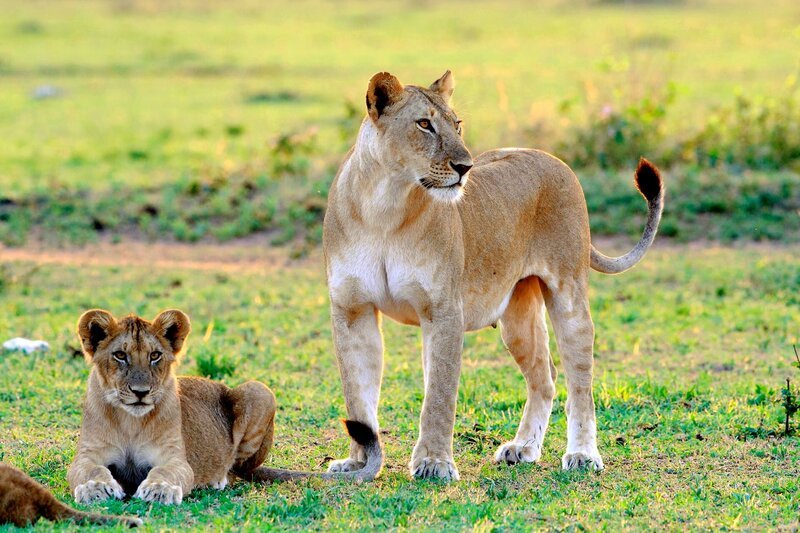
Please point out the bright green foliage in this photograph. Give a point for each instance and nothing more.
(189, 122)
(691, 348)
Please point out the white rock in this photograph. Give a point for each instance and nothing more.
(25, 345)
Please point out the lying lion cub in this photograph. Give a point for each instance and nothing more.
(155, 436)
(23, 502)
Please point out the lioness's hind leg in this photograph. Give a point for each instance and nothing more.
(253, 425)
(568, 307)
(524, 332)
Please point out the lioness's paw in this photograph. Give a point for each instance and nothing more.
(93, 491)
(345, 465)
(576, 460)
(515, 452)
(159, 491)
(431, 467)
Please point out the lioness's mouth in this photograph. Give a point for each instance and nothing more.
(430, 185)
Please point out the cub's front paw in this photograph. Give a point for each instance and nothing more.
(576, 460)
(221, 484)
(434, 467)
(345, 465)
(93, 491)
(159, 491)
(517, 452)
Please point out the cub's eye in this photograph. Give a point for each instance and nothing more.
(458, 127)
(155, 356)
(120, 356)
(425, 124)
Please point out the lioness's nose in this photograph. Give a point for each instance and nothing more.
(139, 390)
(461, 169)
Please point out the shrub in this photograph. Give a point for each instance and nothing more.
(761, 132)
(618, 133)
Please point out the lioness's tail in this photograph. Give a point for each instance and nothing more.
(648, 181)
(361, 433)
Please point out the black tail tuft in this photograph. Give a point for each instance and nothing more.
(361, 433)
(648, 180)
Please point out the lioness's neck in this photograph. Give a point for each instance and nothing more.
(379, 192)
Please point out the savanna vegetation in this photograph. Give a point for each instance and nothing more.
(139, 135)
(208, 120)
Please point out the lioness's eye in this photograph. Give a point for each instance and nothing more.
(426, 125)
(120, 356)
(155, 356)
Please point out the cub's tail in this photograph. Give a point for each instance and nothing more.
(67, 513)
(359, 432)
(648, 181)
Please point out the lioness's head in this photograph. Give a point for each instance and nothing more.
(417, 135)
(134, 358)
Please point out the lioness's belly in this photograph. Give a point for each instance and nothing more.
(478, 313)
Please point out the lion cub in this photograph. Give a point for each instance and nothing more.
(150, 434)
(23, 501)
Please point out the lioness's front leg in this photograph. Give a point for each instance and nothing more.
(442, 339)
(359, 353)
(171, 478)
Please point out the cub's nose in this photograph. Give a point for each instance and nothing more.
(139, 390)
(461, 169)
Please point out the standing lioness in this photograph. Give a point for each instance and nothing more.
(407, 235)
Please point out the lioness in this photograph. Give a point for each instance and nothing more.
(408, 235)
(155, 436)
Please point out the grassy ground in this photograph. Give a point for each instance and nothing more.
(692, 347)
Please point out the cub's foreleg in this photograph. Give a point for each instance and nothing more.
(171, 476)
(89, 480)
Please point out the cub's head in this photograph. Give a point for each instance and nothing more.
(134, 358)
(417, 135)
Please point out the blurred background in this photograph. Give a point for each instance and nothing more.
(211, 120)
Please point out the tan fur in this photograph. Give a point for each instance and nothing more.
(23, 502)
(152, 435)
(409, 235)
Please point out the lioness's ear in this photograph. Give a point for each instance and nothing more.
(174, 326)
(94, 326)
(384, 90)
(444, 86)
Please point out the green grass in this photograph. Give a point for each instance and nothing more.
(692, 347)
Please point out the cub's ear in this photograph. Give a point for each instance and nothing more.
(384, 90)
(94, 326)
(444, 86)
(174, 326)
